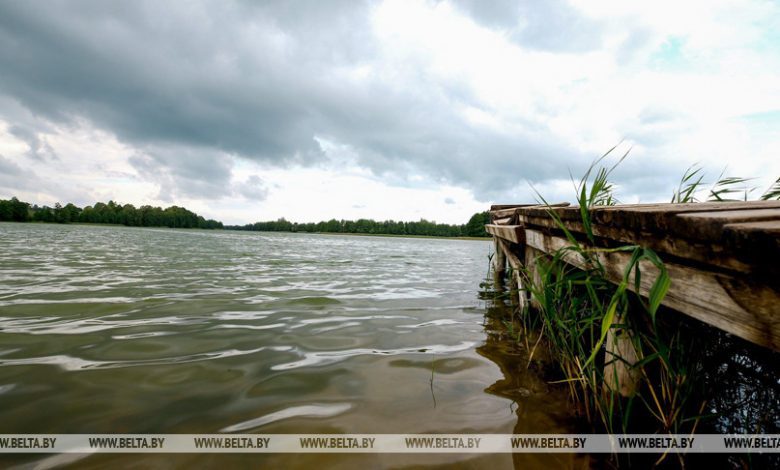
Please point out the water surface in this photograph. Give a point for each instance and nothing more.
(136, 330)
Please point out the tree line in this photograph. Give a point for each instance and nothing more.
(15, 210)
(474, 228)
(178, 217)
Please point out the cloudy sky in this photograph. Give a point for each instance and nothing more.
(246, 111)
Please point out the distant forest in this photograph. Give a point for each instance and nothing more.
(474, 228)
(109, 213)
(15, 210)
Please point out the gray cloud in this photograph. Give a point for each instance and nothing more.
(13, 178)
(9, 168)
(193, 86)
(185, 171)
(253, 189)
(547, 25)
(38, 149)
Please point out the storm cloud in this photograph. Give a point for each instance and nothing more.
(194, 88)
(191, 84)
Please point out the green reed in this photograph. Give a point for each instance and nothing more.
(574, 309)
(723, 190)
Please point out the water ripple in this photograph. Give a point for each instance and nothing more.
(320, 358)
(113, 328)
(304, 411)
(71, 363)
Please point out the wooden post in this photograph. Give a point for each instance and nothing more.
(531, 258)
(514, 297)
(515, 254)
(499, 265)
(522, 290)
(621, 355)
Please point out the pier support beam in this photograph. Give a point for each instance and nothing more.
(532, 256)
(522, 290)
(499, 265)
(621, 355)
(514, 288)
(515, 254)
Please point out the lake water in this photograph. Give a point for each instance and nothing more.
(130, 330)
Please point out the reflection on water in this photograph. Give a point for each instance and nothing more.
(540, 407)
(126, 330)
(305, 411)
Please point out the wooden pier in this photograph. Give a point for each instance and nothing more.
(723, 259)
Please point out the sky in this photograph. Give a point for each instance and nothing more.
(310, 110)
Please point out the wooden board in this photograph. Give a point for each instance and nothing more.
(517, 282)
(512, 211)
(762, 239)
(709, 225)
(697, 232)
(740, 306)
(768, 228)
(496, 207)
(511, 257)
(501, 213)
(712, 253)
(645, 215)
(512, 233)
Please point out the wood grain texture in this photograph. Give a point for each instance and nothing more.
(515, 257)
(502, 213)
(721, 253)
(498, 207)
(742, 237)
(734, 304)
(512, 233)
(532, 257)
(512, 211)
(759, 240)
(646, 211)
(513, 260)
(653, 217)
(499, 258)
(620, 356)
(723, 258)
(504, 221)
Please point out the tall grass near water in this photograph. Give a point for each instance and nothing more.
(576, 309)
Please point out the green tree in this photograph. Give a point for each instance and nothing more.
(475, 227)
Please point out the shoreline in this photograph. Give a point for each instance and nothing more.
(390, 235)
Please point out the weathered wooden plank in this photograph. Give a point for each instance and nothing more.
(504, 221)
(511, 257)
(733, 216)
(499, 259)
(736, 305)
(769, 228)
(709, 225)
(499, 264)
(719, 253)
(501, 213)
(497, 207)
(510, 212)
(762, 239)
(619, 375)
(517, 283)
(694, 206)
(532, 256)
(683, 232)
(513, 233)
(644, 216)
(675, 219)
